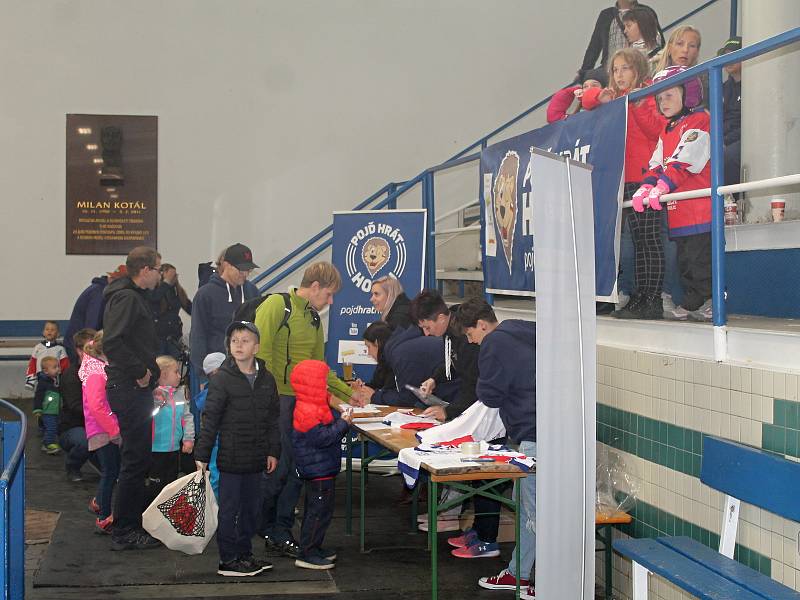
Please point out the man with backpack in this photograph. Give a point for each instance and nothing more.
(291, 332)
(215, 304)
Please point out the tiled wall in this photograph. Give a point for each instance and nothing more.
(652, 410)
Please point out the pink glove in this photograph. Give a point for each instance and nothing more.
(660, 188)
(639, 196)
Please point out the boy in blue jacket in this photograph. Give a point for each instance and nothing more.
(507, 381)
(316, 439)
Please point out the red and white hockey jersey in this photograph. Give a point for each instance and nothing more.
(682, 161)
(40, 350)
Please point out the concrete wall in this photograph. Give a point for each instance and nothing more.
(271, 114)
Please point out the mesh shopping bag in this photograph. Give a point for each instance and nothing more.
(184, 515)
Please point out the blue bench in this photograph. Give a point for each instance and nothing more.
(745, 474)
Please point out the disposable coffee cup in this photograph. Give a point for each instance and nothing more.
(778, 209)
(470, 448)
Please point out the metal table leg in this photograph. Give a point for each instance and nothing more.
(433, 506)
(609, 555)
(348, 503)
(517, 486)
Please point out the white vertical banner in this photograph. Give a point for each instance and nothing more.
(563, 227)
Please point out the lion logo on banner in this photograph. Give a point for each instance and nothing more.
(375, 254)
(505, 203)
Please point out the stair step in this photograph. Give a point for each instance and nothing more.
(460, 275)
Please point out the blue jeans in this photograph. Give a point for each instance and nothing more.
(672, 275)
(50, 423)
(527, 520)
(625, 281)
(282, 487)
(109, 458)
(239, 500)
(317, 514)
(76, 448)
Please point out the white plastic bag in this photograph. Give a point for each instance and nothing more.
(479, 421)
(184, 515)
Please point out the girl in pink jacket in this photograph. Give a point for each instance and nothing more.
(102, 430)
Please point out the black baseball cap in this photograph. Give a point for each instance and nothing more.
(734, 43)
(240, 256)
(242, 325)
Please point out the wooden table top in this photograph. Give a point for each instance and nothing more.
(395, 439)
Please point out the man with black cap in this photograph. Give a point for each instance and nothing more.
(732, 113)
(215, 303)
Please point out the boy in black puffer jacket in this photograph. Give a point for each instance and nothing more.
(242, 407)
(317, 443)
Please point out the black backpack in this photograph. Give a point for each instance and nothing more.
(247, 312)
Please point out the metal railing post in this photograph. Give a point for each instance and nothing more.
(430, 228)
(390, 190)
(12, 512)
(717, 209)
(734, 18)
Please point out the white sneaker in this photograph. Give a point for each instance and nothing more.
(677, 313)
(623, 301)
(667, 302)
(444, 522)
(703, 314)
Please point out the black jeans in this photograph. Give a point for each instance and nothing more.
(694, 263)
(134, 409)
(317, 514)
(282, 487)
(163, 470)
(239, 501)
(76, 448)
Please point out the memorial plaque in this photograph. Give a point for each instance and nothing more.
(112, 183)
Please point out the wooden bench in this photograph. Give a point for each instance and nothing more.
(745, 474)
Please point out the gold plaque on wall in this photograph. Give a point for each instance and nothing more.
(112, 183)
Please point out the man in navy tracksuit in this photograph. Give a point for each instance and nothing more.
(507, 381)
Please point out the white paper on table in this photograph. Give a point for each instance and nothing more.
(372, 426)
(369, 409)
(400, 418)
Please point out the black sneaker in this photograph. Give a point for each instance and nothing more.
(238, 568)
(318, 563)
(631, 309)
(138, 539)
(287, 547)
(330, 554)
(74, 476)
(264, 565)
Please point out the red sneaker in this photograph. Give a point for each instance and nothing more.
(94, 507)
(467, 538)
(477, 550)
(503, 581)
(527, 594)
(104, 526)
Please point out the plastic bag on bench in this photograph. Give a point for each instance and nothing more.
(616, 490)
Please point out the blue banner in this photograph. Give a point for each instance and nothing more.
(597, 138)
(368, 245)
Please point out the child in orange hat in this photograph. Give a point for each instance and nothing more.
(316, 440)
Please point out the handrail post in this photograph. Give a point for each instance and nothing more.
(717, 209)
(734, 18)
(430, 228)
(12, 526)
(391, 189)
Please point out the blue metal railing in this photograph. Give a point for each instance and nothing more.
(714, 68)
(12, 505)
(394, 190)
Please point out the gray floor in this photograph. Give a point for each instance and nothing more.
(77, 564)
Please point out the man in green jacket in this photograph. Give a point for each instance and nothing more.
(283, 346)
